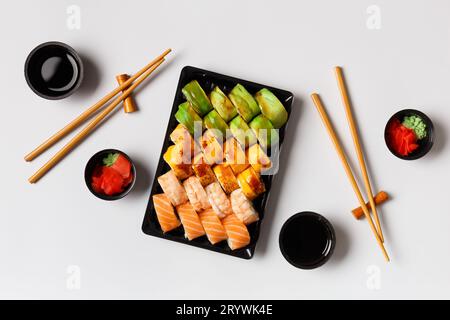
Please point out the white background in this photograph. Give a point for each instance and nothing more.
(48, 227)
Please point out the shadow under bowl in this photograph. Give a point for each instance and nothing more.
(97, 160)
(425, 144)
(307, 240)
(53, 70)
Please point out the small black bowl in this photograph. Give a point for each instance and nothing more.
(425, 144)
(54, 70)
(307, 240)
(96, 160)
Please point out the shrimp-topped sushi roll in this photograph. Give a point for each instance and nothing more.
(173, 188)
(181, 137)
(211, 147)
(196, 194)
(219, 200)
(235, 156)
(179, 162)
(242, 207)
(238, 236)
(226, 177)
(203, 170)
(212, 225)
(251, 184)
(165, 213)
(258, 158)
(192, 225)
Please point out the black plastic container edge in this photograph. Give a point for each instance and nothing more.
(332, 239)
(424, 146)
(97, 159)
(207, 80)
(72, 52)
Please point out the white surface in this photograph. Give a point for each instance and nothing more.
(47, 227)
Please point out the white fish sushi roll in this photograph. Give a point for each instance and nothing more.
(196, 194)
(243, 208)
(218, 200)
(173, 188)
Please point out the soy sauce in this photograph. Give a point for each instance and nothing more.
(307, 240)
(53, 70)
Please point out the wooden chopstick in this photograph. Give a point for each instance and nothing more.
(91, 110)
(317, 102)
(356, 142)
(89, 127)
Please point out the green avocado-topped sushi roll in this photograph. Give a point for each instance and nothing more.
(187, 116)
(194, 93)
(245, 104)
(242, 132)
(271, 108)
(222, 104)
(264, 131)
(214, 121)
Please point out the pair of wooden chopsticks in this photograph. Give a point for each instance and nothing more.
(357, 144)
(140, 76)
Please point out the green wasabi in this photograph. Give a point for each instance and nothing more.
(416, 123)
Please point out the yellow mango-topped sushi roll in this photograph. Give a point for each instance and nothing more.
(235, 156)
(181, 137)
(257, 158)
(178, 162)
(212, 149)
(251, 184)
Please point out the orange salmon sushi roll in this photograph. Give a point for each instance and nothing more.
(238, 236)
(193, 227)
(212, 225)
(165, 213)
(235, 156)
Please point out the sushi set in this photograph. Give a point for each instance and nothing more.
(219, 156)
(212, 184)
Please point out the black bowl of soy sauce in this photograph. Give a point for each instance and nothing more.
(307, 240)
(53, 70)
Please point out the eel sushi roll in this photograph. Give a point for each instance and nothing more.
(251, 184)
(235, 156)
(203, 170)
(219, 200)
(192, 225)
(165, 213)
(243, 208)
(181, 137)
(180, 163)
(226, 178)
(212, 225)
(196, 194)
(211, 147)
(238, 236)
(173, 188)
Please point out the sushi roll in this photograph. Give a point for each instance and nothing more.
(271, 107)
(264, 131)
(212, 149)
(238, 236)
(187, 116)
(214, 122)
(242, 132)
(180, 163)
(258, 159)
(226, 178)
(203, 170)
(235, 156)
(192, 225)
(182, 138)
(194, 93)
(196, 194)
(251, 184)
(219, 200)
(173, 188)
(165, 213)
(213, 226)
(245, 104)
(242, 207)
(222, 104)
